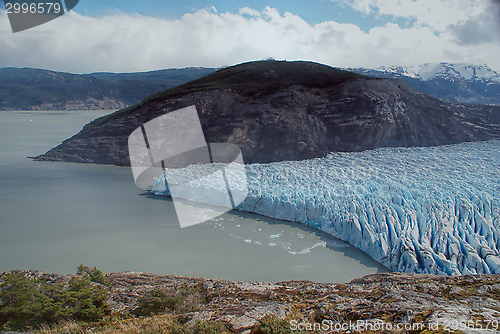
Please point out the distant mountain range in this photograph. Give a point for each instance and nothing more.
(457, 82)
(37, 89)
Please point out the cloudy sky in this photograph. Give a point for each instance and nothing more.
(126, 36)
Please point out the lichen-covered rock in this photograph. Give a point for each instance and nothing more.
(469, 301)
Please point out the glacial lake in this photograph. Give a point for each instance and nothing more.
(55, 216)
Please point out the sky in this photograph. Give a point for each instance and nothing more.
(130, 36)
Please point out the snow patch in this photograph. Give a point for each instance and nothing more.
(445, 70)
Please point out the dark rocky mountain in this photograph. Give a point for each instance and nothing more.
(277, 111)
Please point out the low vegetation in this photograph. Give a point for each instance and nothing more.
(271, 325)
(30, 303)
(27, 303)
(160, 324)
(264, 78)
(93, 274)
(131, 302)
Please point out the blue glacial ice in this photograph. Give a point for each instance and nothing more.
(419, 210)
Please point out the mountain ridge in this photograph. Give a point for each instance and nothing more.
(428, 71)
(27, 89)
(277, 111)
(38, 89)
(460, 82)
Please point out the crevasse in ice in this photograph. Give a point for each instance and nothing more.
(421, 210)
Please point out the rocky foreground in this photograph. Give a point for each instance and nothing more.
(394, 301)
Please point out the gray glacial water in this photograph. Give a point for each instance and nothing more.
(55, 216)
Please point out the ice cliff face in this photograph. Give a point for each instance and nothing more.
(424, 210)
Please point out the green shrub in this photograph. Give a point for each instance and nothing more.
(22, 304)
(273, 325)
(27, 303)
(84, 301)
(94, 274)
(199, 327)
(174, 302)
(157, 302)
(209, 327)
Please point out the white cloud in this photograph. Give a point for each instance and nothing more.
(249, 11)
(436, 14)
(120, 43)
(481, 28)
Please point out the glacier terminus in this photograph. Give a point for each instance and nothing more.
(416, 210)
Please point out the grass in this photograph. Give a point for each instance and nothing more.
(160, 324)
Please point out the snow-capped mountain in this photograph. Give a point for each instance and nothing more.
(460, 82)
(429, 71)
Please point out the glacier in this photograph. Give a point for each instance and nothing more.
(416, 210)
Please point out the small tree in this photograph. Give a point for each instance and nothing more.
(94, 274)
(21, 303)
(27, 303)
